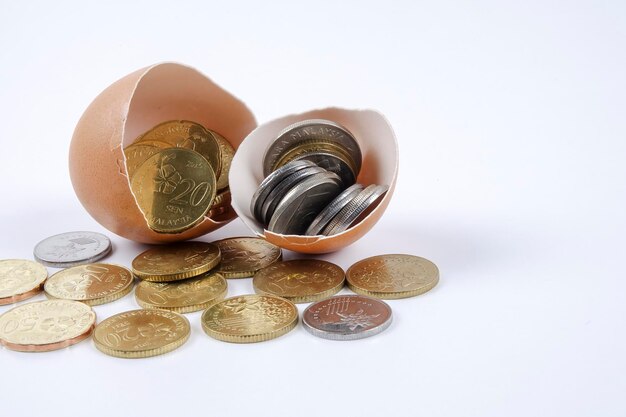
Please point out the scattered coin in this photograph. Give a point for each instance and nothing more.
(176, 261)
(141, 333)
(347, 317)
(243, 256)
(392, 276)
(352, 212)
(20, 279)
(183, 296)
(72, 248)
(93, 284)
(228, 152)
(46, 325)
(332, 209)
(300, 280)
(250, 318)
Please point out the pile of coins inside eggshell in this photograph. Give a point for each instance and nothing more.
(192, 276)
(310, 187)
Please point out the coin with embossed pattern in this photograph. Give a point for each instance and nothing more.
(20, 279)
(46, 325)
(347, 317)
(250, 318)
(137, 153)
(300, 280)
(93, 284)
(141, 333)
(227, 152)
(72, 248)
(392, 276)
(243, 256)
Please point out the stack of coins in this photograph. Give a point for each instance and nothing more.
(310, 185)
(178, 173)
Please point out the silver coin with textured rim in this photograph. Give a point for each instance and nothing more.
(349, 214)
(72, 248)
(331, 163)
(331, 210)
(347, 317)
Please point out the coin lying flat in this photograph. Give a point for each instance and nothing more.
(176, 261)
(72, 248)
(392, 276)
(331, 210)
(141, 333)
(46, 325)
(243, 256)
(93, 284)
(227, 152)
(347, 317)
(183, 296)
(352, 213)
(300, 280)
(20, 279)
(250, 318)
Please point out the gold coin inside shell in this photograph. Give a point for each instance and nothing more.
(308, 147)
(137, 153)
(20, 279)
(228, 152)
(243, 256)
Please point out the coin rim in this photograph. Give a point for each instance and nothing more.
(247, 273)
(177, 276)
(15, 298)
(93, 259)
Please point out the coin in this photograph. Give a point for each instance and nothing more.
(314, 129)
(137, 153)
(352, 212)
(332, 209)
(46, 325)
(93, 284)
(228, 152)
(141, 333)
(72, 248)
(20, 279)
(174, 189)
(250, 318)
(183, 296)
(300, 280)
(243, 256)
(347, 317)
(176, 261)
(222, 199)
(392, 276)
(302, 204)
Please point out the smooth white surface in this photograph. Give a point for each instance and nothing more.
(510, 122)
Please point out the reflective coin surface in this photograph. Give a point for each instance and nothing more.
(347, 317)
(141, 333)
(300, 280)
(244, 256)
(227, 152)
(137, 153)
(72, 248)
(20, 279)
(46, 325)
(392, 276)
(352, 213)
(331, 210)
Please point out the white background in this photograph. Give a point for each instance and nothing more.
(510, 118)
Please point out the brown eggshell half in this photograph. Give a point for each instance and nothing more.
(125, 110)
(380, 166)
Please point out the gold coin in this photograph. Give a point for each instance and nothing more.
(137, 153)
(228, 152)
(174, 189)
(300, 280)
(316, 146)
(250, 318)
(93, 284)
(188, 135)
(243, 256)
(176, 261)
(46, 325)
(392, 276)
(141, 333)
(20, 279)
(184, 296)
(222, 199)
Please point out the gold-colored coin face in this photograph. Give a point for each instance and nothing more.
(141, 333)
(188, 135)
(137, 153)
(46, 325)
(301, 280)
(250, 318)
(308, 147)
(228, 152)
(93, 284)
(392, 276)
(174, 189)
(20, 279)
(176, 261)
(184, 296)
(243, 256)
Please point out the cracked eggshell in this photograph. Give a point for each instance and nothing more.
(380, 166)
(128, 108)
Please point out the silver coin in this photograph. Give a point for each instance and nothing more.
(354, 209)
(302, 203)
(347, 317)
(72, 248)
(331, 210)
(314, 129)
(331, 163)
(277, 194)
(271, 181)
